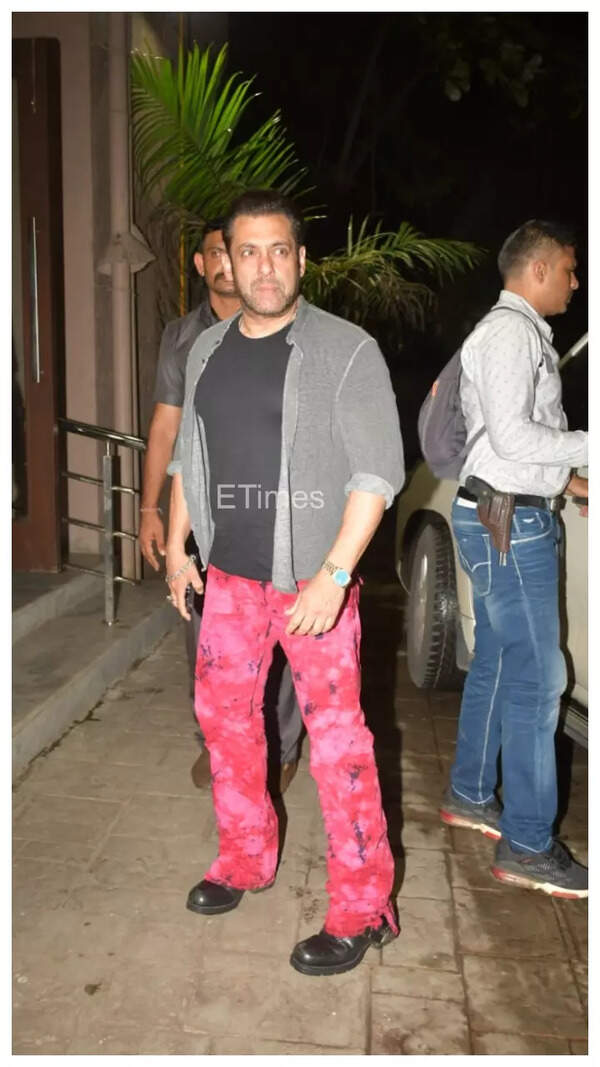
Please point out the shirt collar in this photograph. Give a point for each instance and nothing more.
(298, 320)
(206, 311)
(513, 300)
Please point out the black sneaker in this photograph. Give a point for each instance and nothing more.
(554, 872)
(483, 817)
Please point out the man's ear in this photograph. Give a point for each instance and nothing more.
(539, 270)
(302, 259)
(199, 263)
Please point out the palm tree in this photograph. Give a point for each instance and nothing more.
(368, 278)
(191, 164)
(184, 126)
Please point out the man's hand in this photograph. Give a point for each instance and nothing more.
(316, 607)
(161, 439)
(176, 559)
(578, 487)
(152, 533)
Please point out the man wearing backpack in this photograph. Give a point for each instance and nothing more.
(518, 450)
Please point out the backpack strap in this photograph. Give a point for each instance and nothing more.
(524, 315)
(498, 307)
(474, 440)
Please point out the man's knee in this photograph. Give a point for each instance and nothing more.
(554, 676)
(338, 737)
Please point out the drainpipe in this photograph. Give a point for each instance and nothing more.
(126, 253)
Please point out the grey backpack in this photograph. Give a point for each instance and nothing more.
(441, 423)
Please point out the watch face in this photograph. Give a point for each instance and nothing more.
(342, 578)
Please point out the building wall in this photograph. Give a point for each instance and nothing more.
(83, 39)
(72, 30)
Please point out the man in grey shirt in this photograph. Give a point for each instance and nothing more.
(511, 398)
(220, 302)
(326, 410)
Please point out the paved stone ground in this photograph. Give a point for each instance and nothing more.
(110, 833)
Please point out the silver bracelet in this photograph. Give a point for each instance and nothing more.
(152, 509)
(175, 574)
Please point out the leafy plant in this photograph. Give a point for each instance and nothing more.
(185, 122)
(189, 158)
(368, 278)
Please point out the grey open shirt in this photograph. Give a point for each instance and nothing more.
(340, 432)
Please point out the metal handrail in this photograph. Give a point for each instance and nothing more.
(112, 440)
(103, 433)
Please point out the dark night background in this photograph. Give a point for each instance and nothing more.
(365, 99)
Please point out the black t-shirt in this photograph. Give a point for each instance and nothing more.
(239, 398)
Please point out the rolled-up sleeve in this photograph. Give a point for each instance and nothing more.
(370, 427)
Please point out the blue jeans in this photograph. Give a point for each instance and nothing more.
(512, 693)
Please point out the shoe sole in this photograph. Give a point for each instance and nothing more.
(321, 972)
(220, 909)
(215, 909)
(520, 880)
(463, 822)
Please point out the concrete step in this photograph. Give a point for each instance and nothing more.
(37, 598)
(62, 668)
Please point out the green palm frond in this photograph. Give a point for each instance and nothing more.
(184, 134)
(192, 162)
(377, 274)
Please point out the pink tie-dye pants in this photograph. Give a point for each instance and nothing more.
(241, 623)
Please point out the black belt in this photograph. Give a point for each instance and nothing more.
(522, 500)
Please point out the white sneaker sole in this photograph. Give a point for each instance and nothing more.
(510, 878)
(464, 822)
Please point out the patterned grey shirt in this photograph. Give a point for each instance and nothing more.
(511, 384)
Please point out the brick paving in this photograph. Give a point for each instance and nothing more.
(110, 833)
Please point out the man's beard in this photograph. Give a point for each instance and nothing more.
(252, 303)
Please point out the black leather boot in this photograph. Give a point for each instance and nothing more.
(325, 954)
(210, 898)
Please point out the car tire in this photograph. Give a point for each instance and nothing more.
(432, 611)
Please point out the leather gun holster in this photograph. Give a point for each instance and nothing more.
(495, 510)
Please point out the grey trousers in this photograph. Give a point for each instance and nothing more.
(283, 722)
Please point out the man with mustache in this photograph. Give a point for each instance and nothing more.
(220, 302)
(289, 452)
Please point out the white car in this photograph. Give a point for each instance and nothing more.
(440, 621)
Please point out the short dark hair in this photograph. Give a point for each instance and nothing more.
(211, 226)
(521, 245)
(264, 202)
(198, 239)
